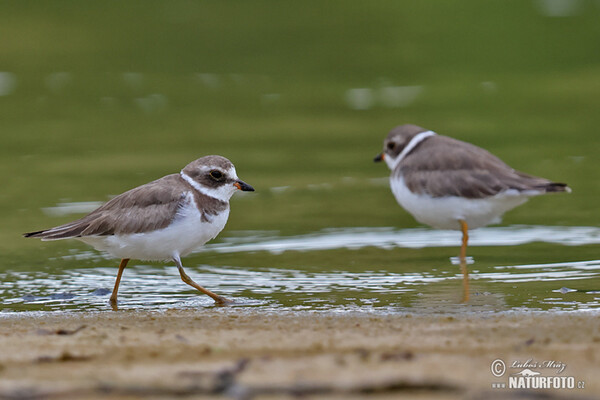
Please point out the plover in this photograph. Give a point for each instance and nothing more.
(449, 184)
(162, 220)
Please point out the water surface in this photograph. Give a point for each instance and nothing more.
(423, 284)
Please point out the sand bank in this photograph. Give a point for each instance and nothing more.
(244, 354)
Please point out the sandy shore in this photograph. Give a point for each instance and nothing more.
(242, 354)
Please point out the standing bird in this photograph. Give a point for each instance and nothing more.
(449, 184)
(162, 220)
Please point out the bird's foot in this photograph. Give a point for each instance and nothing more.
(223, 301)
(113, 304)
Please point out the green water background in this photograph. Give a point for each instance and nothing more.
(100, 97)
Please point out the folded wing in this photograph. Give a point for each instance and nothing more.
(142, 209)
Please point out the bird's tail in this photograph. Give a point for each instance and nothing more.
(66, 231)
(557, 187)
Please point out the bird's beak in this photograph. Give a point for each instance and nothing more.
(379, 157)
(243, 186)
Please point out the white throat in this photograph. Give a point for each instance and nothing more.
(393, 162)
(222, 193)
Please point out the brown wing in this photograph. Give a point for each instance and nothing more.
(144, 208)
(443, 166)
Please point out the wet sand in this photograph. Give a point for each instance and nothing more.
(243, 354)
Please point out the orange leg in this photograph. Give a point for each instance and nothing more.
(220, 300)
(113, 296)
(463, 259)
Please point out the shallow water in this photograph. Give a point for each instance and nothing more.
(421, 285)
(386, 238)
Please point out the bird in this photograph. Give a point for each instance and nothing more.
(163, 220)
(450, 184)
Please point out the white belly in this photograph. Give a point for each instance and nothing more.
(180, 238)
(444, 212)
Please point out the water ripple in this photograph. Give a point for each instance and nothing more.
(418, 285)
(355, 238)
(156, 287)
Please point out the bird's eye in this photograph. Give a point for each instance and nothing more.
(216, 174)
(390, 146)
